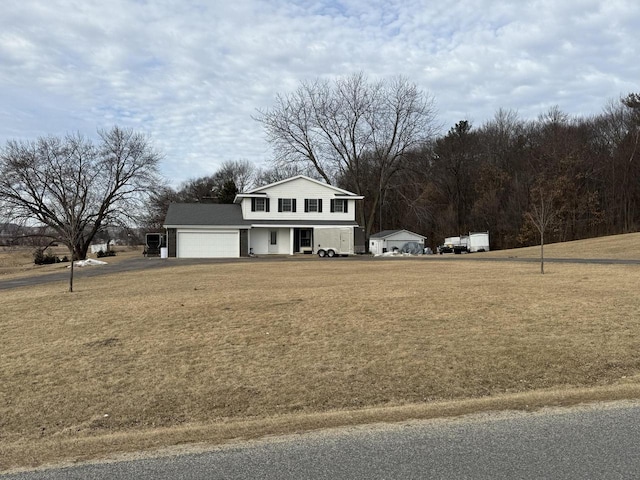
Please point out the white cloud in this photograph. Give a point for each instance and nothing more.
(192, 73)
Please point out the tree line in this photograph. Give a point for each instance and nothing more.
(377, 140)
(558, 176)
(579, 176)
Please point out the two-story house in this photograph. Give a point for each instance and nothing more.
(279, 218)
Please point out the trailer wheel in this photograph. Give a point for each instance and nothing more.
(322, 253)
(331, 253)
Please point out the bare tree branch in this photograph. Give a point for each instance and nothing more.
(75, 188)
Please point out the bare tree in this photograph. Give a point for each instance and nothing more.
(241, 172)
(351, 131)
(543, 212)
(76, 188)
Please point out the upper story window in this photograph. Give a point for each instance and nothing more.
(313, 205)
(340, 205)
(286, 204)
(259, 204)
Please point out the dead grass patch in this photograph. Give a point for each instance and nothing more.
(184, 354)
(18, 261)
(622, 247)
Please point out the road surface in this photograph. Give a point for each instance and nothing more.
(587, 442)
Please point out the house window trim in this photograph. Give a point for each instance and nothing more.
(254, 204)
(344, 205)
(292, 204)
(308, 205)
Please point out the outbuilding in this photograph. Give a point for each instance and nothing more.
(396, 240)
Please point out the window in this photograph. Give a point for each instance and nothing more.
(273, 237)
(286, 204)
(340, 205)
(313, 205)
(259, 204)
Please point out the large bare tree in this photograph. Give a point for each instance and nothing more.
(352, 131)
(77, 188)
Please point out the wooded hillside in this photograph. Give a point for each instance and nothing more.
(489, 177)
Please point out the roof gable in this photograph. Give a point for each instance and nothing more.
(389, 233)
(338, 191)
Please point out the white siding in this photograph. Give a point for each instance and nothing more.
(300, 189)
(376, 246)
(259, 241)
(404, 237)
(260, 238)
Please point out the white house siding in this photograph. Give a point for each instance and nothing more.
(259, 241)
(293, 189)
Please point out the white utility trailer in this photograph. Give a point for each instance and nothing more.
(478, 242)
(332, 241)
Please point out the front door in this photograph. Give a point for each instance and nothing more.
(305, 240)
(273, 241)
(302, 240)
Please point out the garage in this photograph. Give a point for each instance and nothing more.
(208, 244)
(396, 240)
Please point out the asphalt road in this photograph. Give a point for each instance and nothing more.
(588, 442)
(151, 263)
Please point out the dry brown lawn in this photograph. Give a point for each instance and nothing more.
(18, 261)
(224, 351)
(625, 246)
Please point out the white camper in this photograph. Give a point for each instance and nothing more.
(332, 241)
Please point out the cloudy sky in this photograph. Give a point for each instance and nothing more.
(192, 73)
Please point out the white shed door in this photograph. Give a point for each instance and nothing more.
(208, 244)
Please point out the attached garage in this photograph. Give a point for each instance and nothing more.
(208, 244)
(206, 230)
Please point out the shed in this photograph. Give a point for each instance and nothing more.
(390, 240)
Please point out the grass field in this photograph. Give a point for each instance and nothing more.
(217, 352)
(18, 261)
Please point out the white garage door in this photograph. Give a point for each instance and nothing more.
(208, 244)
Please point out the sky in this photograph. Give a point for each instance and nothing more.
(193, 74)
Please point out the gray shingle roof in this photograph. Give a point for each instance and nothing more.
(384, 233)
(205, 214)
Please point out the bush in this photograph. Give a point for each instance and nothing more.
(41, 258)
(108, 253)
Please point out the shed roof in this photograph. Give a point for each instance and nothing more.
(387, 233)
(205, 214)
